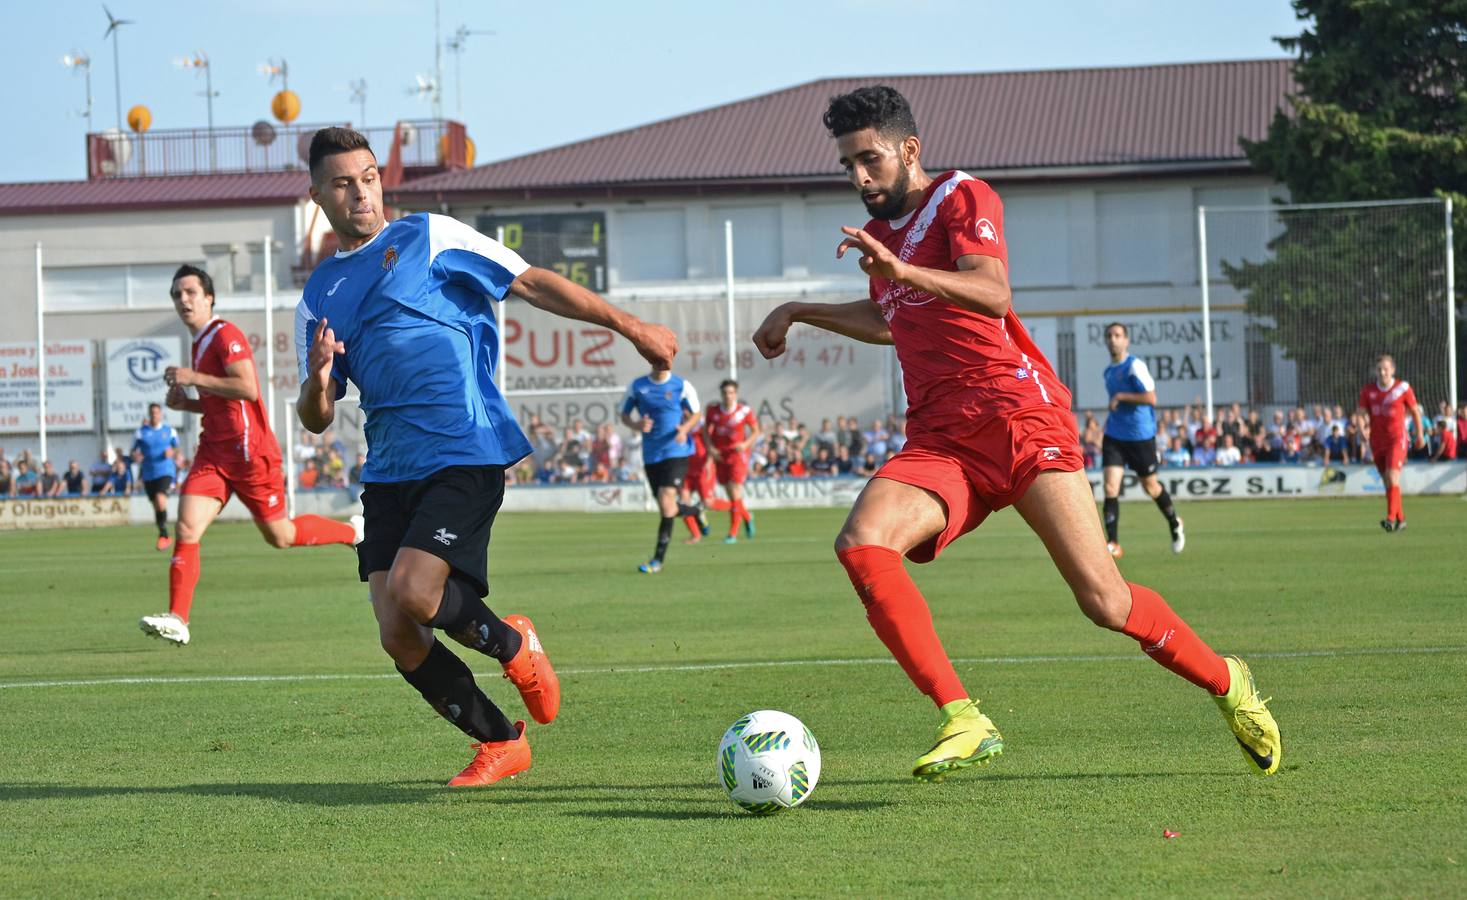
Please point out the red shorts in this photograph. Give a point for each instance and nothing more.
(732, 467)
(1389, 453)
(259, 482)
(985, 468)
(699, 478)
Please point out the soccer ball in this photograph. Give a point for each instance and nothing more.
(768, 761)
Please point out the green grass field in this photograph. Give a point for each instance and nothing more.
(278, 755)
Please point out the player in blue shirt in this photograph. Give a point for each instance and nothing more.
(405, 312)
(668, 411)
(154, 448)
(1130, 438)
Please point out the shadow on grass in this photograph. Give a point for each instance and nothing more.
(726, 811)
(312, 794)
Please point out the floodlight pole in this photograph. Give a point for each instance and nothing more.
(728, 278)
(117, 77)
(40, 355)
(502, 308)
(289, 456)
(1206, 304)
(1451, 312)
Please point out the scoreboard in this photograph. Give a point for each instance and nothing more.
(572, 244)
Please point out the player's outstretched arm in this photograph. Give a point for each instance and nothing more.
(316, 404)
(544, 289)
(980, 284)
(237, 383)
(860, 320)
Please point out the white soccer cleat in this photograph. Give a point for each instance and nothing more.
(1179, 537)
(166, 626)
(359, 525)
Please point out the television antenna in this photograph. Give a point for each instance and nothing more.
(456, 45)
(78, 59)
(359, 97)
(114, 25)
(274, 69)
(199, 62)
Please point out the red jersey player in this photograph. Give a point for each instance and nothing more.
(731, 429)
(989, 425)
(1387, 401)
(699, 480)
(237, 453)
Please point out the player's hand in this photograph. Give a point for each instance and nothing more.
(646, 425)
(656, 343)
(178, 376)
(876, 258)
(1420, 443)
(1115, 404)
(324, 347)
(770, 336)
(176, 399)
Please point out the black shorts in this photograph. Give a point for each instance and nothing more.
(1138, 456)
(447, 514)
(667, 473)
(158, 485)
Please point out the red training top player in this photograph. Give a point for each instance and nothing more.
(730, 430)
(989, 426)
(237, 453)
(1387, 400)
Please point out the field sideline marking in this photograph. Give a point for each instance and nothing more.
(708, 667)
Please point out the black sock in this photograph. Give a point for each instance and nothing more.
(448, 686)
(161, 517)
(664, 536)
(1112, 518)
(465, 618)
(1164, 503)
(689, 509)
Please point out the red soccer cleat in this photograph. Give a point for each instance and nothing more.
(531, 672)
(495, 760)
(164, 542)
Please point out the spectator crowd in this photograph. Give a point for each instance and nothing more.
(113, 473)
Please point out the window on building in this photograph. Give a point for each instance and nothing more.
(107, 287)
(756, 239)
(649, 245)
(1134, 233)
(1037, 231)
(823, 222)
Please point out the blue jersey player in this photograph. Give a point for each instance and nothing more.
(405, 312)
(1130, 437)
(668, 412)
(155, 449)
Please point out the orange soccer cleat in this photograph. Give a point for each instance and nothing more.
(495, 760)
(531, 672)
(164, 542)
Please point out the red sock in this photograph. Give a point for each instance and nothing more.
(312, 530)
(736, 516)
(1393, 503)
(693, 527)
(183, 574)
(1169, 641)
(718, 503)
(900, 616)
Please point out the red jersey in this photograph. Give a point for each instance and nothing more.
(727, 425)
(957, 365)
(1387, 409)
(236, 428)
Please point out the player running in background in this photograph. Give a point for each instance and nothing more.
(1388, 400)
(731, 430)
(988, 426)
(155, 448)
(668, 412)
(404, 312)
(237, 453)
(700, 490)
(1130, 438)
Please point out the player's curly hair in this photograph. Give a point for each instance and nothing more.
(879, 106)
(330, 141)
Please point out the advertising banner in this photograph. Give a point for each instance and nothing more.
(1234, 482)
(68, 387)
(1171, 345)
(73, 512)
(135, 379)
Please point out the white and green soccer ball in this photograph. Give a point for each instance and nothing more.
(768, 761)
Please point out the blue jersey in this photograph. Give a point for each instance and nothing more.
(665, 403)
(411, 307)
(154, 444)
(1130, 421)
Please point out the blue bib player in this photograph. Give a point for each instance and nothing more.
(1130, 438)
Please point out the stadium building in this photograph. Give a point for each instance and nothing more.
(1101, 172)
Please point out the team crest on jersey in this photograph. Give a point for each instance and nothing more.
(389, 258)
(1021, 373)
(985, 231)
(234, 346)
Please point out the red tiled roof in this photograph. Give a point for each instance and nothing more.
(981, 122)
(126, 194)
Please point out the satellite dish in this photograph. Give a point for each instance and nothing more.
(139, 118)
(116, 150)
(303, 146)
(263, 133)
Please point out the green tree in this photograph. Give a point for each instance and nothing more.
(1381, 114)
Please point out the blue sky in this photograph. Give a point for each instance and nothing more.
(557, 71)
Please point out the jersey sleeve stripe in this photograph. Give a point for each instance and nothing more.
(1142, 374)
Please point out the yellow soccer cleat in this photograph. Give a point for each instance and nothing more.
(965, 738)
(1253, 725)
